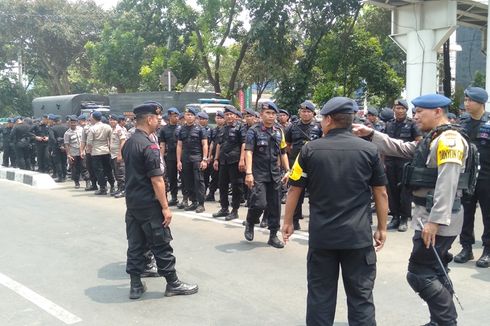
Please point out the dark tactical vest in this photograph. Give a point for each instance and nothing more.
(417, 175)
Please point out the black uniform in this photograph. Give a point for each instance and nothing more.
(192, 155)
(340, 230)
(21, 137)
(231, 140)
(42, 130)
(144, 213)
(400, 198)
(479, 134)
(298, 134)
(56, 142)
(168, 135)
(214, 175)
(267, 144)
(8, 148)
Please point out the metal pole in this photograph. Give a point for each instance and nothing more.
(169, 81)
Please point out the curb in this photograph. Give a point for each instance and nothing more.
(30, 178)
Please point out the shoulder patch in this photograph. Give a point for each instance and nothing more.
(297, 171)
(450, 148)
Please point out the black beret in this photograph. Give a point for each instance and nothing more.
(148, 108)
(339, 105)
(372, 111)
(402, 102)
(269, 105)
(284, 111)
(232, 109)
(307, 105)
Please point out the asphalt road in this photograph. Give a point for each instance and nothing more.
(63, 262)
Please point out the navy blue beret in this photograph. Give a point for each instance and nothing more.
(51, 116)
(121, 117)
(339, 105)
(82, 117)
(307, 105)
(249, 111)
(173, 110)
(386, 114)
(191, 110)
(97, 115)
(56, 117)
(372, 111)
(147, 108)
(232, 109)
(284, 111)
(72, 118)
(113, 116)
(402, 102)
(203, 115)
(269, 105)
(257, 114)
(220, 113)
(431, 101)
(10, 120)
(45, 115)
(477, 94)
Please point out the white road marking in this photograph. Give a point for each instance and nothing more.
(208, 217)
(43, 303)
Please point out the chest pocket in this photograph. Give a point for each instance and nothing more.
(262, 142)
(483, 135)
(406, 131)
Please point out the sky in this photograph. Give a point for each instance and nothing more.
(107, 4)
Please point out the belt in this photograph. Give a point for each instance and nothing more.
(421, 201)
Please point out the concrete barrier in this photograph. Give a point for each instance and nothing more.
(31, 178)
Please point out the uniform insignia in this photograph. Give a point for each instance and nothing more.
(297, 171)
(450, 148)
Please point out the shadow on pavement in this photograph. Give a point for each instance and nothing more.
(240, 246)
(117, 294)
(113, 271)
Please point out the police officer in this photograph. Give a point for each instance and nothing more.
(168, 147)
(41, 134)
(58, 150)
(203, 120)
(91, 183)
(264, 147)
(402, 127)
(340, 229)
(21, 136)
(72, 141)
(441, 158)
(8, 148)
(216, 133)
(192, 153)
(118, 138)
(148, 215)
(299, 133)
(230, 162)
(373, 121)
(283, 119)
(477, 127)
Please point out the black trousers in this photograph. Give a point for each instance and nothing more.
(23, 155)
(426, 278)
(214, 182)
(90, 169)
(76, 168)
(172, 177)
(194, 181)
(144, 230)
(482, 196)
(265, 195)
(229, 173)
(358, 275)
(298, 212)
(399, 197)
(103, 170)
(59, 161)
(9, 155)
(42, 157)
(118, 169)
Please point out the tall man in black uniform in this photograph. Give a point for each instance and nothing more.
(230, 162)
(216, 133)
(399, 196)
(264, 147)
(57, 144)
(298, 134)
(148, 216)
(192, 153)
(41, 134)
(168, 148)
(8, 149)
(340, 230)
(21, 137)
(477, 127)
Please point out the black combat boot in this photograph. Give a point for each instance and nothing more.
(403, 224)
(233, 215)
(120, 194)
(394, 223)
(191, 207)
(112, 191)
(200, 208)
(249, 231)
(177, 287)
(101, 192)
(465, 255)
(221, 213)
(173, 202)
(183, 204)
(137, 288)
(484, 260)
(77, 184)
(210, 197)
(91, 186)
(274, 240)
